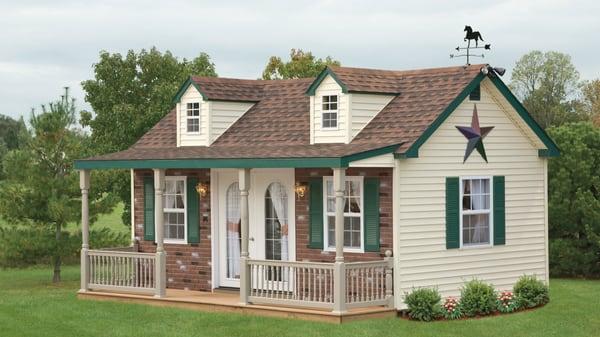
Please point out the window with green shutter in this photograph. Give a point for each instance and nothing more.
(149, 208)
(315, 196)
(193, 211)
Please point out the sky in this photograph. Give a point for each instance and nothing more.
(47, 45)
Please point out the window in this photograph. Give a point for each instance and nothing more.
(330, 108)
(174, 209)
(476, 211)
(233, 223)
(353, 215)
(193, 117)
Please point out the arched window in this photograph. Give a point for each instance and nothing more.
(276, 222)
(233, 230)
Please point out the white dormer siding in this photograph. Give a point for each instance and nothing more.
(338, 134)
(355, 111)
(364, 107)
(215, 118)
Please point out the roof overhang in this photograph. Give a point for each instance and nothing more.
(194, 163)
(550, 150)
(326, 72)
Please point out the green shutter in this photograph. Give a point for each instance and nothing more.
(193, 209)
(149, 208)
(371, 209)
(316, 213)
(499, 211)
(452, 212)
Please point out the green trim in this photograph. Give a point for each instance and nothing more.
(233, 163)
(368, 154)
(551, 148)
(413, 150)
(148, 208)
(183, 89)
(315, 84)
(371, 214)
(498, 197)
(452, 212)
(193, 211)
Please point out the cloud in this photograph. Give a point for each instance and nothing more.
(48, 45)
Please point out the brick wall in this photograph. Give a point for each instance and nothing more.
(385, 215)
(188, 266)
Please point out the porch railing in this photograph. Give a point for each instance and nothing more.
(313, 284)
(121, 271)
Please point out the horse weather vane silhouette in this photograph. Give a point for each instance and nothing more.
(466, 51)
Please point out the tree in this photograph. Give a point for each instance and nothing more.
(301, 65)
(547, 83)
(129, 95)
(591, 100)
(42, 188)
(12, 135)
(574, 200)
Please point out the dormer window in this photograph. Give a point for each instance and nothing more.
(330, 112)
(193, 117)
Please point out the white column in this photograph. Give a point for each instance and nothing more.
(244, 183)
(84, 185)
(339, 281)
(161, 261)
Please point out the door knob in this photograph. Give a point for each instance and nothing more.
(251, 239)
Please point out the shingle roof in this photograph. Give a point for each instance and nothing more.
(277, 126)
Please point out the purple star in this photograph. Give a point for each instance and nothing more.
(475, 135)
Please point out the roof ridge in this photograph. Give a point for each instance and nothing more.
(404, 71)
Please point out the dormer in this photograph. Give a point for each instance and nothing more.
(207, 107)
(340, 109)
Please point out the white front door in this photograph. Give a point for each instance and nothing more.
(271, 213)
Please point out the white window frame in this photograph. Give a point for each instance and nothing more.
(188, 117)
(336, 111)
(177, 210)
(490, 212)
(360, 180)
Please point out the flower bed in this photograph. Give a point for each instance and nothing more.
(478, 299)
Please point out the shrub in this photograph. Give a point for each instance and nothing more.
(477, 298)
(451, 308)
(423, 304)
(531, 292)
(506, 302)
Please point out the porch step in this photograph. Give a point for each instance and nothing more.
(227, 290)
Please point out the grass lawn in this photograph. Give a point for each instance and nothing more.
(30, 305)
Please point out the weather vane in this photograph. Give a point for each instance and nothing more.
(466, 51)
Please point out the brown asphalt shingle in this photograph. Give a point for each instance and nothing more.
(277, 126)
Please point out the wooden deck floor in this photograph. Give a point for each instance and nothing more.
(229, 302)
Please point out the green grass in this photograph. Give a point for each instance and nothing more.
(30, 305)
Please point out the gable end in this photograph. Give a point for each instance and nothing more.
(315, 84)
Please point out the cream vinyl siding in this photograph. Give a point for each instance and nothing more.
(421, 257)
(385, 160)
(224, 114)
(364, 107)
(330, 135)
(215, 118)
(195, 138)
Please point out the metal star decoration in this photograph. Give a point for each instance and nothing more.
(475, 135)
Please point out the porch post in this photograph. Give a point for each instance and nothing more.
(160, 273)
(339, 280)
(244, 183)
(84, 185)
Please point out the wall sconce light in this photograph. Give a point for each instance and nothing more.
(202, 189)
(300, 190)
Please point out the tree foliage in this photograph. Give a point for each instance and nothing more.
(301, 65)
(547, 83)
(129, 95)
(591, 100)
(574, 200)
(13, 134)
(42, 188)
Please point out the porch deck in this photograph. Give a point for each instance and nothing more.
(229, 301)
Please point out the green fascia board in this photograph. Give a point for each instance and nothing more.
(233, 162)
(183, 89)
(315, 84)
(551, 148)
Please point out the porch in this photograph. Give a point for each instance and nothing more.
(305, 289)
